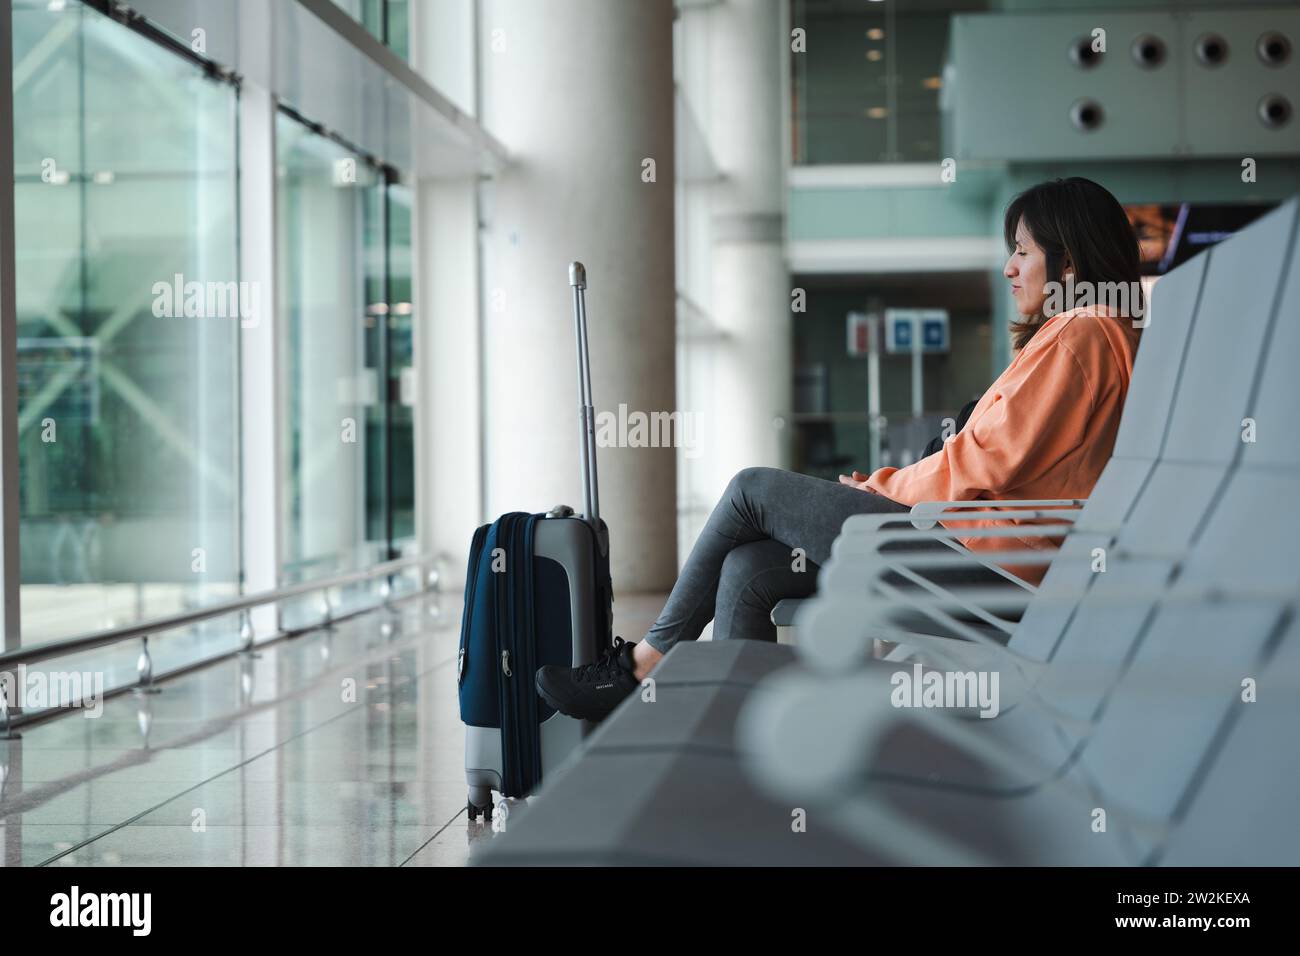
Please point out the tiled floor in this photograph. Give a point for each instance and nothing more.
(269, 761)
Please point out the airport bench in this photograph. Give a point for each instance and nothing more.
(1138, 710)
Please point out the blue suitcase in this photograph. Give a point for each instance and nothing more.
(537, 591)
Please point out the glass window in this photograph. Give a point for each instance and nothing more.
(386, 20)
(398, 25)
(345, 301)
(128, 326)
(401, 373)
(333, 308)
(866, 87)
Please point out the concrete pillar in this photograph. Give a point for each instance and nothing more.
(449, 493)
(580, 93)
(750, 293)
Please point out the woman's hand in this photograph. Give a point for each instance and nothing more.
(859, 480)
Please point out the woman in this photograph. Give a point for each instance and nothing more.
(1044, 429)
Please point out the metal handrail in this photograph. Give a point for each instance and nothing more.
(85, 642)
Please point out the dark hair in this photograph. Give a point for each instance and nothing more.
(1075, 221)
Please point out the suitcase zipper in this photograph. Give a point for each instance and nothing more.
(505, 663)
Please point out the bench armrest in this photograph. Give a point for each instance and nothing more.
(784, 611)
(924, 514)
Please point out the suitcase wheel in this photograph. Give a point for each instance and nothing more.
(474, 811)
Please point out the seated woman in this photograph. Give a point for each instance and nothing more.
(1044, 429)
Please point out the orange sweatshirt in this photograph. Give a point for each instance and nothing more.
(1044, 429)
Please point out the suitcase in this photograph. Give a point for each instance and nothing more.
(537, 591)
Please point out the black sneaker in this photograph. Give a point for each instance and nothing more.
(591, 691)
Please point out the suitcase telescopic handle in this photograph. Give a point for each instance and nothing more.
(586, 414)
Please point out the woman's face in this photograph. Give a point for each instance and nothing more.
(1027, 270)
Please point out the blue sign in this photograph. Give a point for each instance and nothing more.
(934, 335)
(912, 328)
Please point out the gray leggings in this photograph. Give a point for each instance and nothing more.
(745, 561)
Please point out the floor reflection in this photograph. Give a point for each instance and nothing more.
(340, 747)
